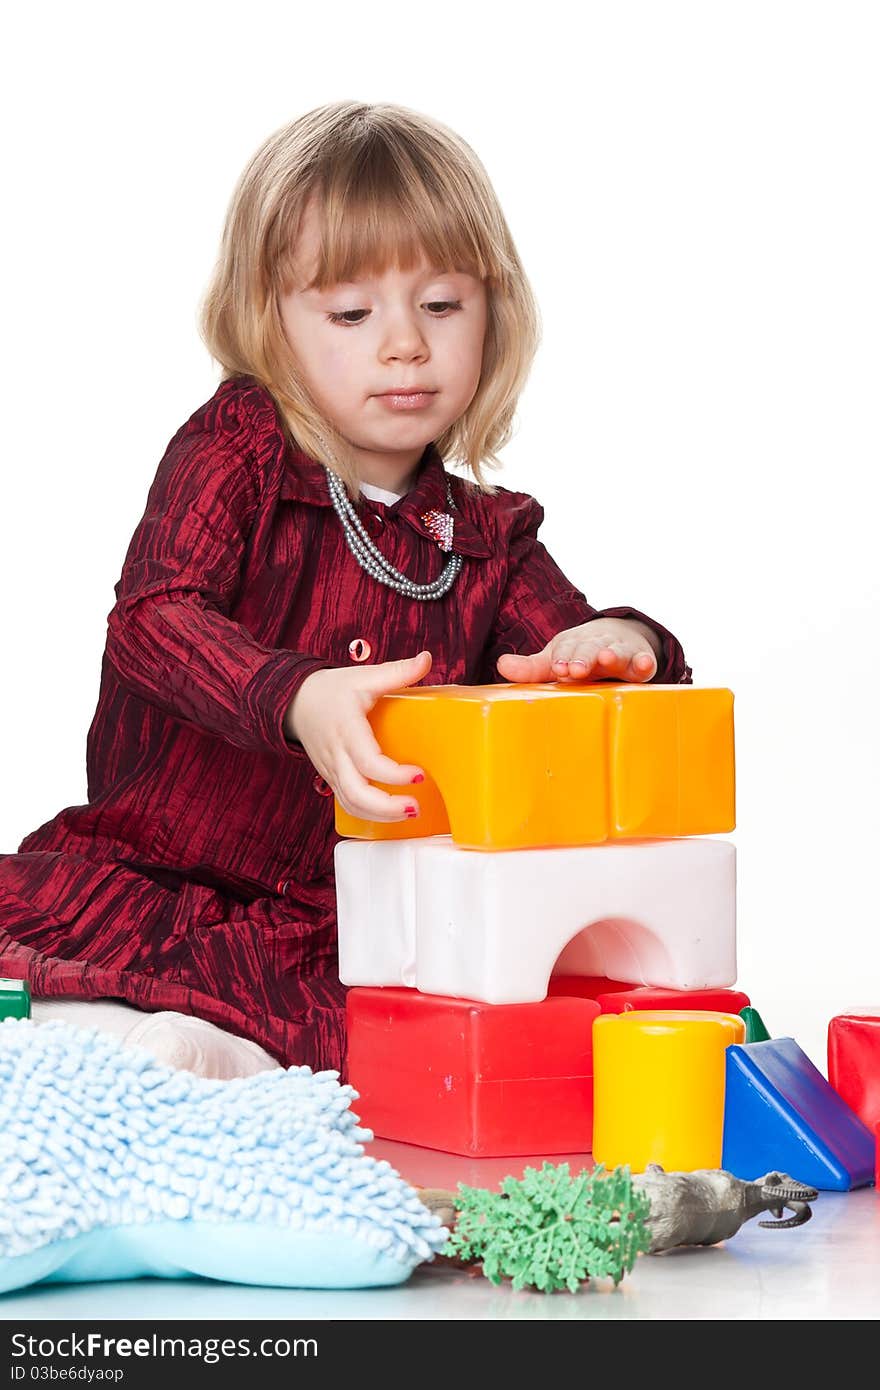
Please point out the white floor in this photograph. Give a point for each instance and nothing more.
(829, 1268)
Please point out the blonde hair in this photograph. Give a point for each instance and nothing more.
(390, 184)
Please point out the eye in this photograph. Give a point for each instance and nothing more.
(346, 316)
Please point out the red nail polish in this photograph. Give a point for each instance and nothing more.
(419, 777)
(412, 811)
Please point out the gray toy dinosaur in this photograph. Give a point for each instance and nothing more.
(709, 1204)
(698, 1208)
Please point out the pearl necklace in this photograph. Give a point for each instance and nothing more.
(370, 558)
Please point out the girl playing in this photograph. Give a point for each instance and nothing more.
(371, 318)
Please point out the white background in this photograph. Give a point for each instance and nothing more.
(693, 188)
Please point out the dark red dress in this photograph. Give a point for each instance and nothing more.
(199, 874)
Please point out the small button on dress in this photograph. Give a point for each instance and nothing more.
(360, 649)
(374, 523)
(322, 787)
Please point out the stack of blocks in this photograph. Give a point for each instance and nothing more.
(560, 870)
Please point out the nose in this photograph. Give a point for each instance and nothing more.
(403, 339)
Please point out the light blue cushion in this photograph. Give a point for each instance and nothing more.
(115, 1167)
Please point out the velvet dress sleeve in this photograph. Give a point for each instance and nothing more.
(538, 601)
(170, 636)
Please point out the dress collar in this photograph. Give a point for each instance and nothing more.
(305, 480)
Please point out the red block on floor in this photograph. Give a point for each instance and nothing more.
(586, 986)
(614, 997)
(854, 1061)
(723, 1001)
(488, 1080)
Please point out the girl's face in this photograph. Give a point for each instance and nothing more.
(419, 329)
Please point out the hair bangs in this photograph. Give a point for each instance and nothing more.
(368, 226)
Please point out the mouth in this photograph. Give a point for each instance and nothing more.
(406, 400)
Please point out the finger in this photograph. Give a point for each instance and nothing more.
(565, 647)
(395, 675)
(643, 667)
(576, 667)
(570, 645)
(585, 658)
(619, 658)
(366, 753)
(356, 795)
(614, 658)
(526, 669)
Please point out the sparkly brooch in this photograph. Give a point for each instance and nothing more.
(440, 525)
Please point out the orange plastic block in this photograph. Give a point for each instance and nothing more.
(548, 765)
(493, 1080)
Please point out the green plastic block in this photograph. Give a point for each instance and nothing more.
(15, 999)
(755, 1030)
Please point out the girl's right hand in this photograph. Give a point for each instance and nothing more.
(327, 715)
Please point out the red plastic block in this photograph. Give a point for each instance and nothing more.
(615, 997)
(721, 1001)
(854, 1061)
(586, 986)
(488, 1080)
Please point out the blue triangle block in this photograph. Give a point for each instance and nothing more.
(780, 1113)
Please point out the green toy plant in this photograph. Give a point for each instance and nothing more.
(549, 1230)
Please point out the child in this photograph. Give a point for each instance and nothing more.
(301, 554)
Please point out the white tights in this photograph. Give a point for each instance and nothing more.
(176, 1040)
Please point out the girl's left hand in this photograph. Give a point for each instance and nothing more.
(602, 649)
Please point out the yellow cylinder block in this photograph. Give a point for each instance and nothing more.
(658, 1079)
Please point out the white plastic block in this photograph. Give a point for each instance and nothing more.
(494, 927)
